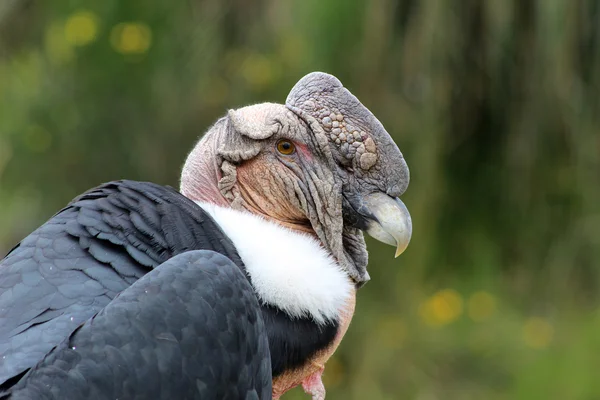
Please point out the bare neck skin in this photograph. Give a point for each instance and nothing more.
(200, 176)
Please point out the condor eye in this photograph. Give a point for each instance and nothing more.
(286, 147)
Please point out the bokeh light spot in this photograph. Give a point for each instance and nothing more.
(131, 38)
(442, 308)
(81, 28)
(537, 333)
(259, 71)
(482, 306)
(58, 50)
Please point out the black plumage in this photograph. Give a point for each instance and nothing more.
(294, 340)
(160, 338)
(74, 265)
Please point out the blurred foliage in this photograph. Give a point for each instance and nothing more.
(496, 106)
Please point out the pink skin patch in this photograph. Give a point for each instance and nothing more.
(313, 385)
(303, 149)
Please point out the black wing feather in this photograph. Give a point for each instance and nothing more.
(190, 329)
(76, 263)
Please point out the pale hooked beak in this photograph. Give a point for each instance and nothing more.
(391, 223)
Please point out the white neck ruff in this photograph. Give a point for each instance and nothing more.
(289, 270)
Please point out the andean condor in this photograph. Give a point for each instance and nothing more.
(240, 286)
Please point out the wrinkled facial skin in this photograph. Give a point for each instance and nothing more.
(277, 185)
(300, 190)
(344, 176)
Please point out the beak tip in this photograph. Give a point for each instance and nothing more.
(392, 223)
(399, 250)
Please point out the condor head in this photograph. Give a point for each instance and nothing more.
(322, 164)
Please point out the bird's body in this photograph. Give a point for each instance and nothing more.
(157, 338)
(74, 265)
(136, 284)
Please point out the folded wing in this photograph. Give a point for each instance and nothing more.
(76, 263)
(191, 328)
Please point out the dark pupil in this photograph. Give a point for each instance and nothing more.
(285, 146)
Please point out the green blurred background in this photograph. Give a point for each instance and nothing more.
(495, 105)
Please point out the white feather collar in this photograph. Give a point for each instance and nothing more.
(288, 270)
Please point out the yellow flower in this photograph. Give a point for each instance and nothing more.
(537, 333)
(131, 38)
(482, 305)
(442, 308)
(81, 28)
